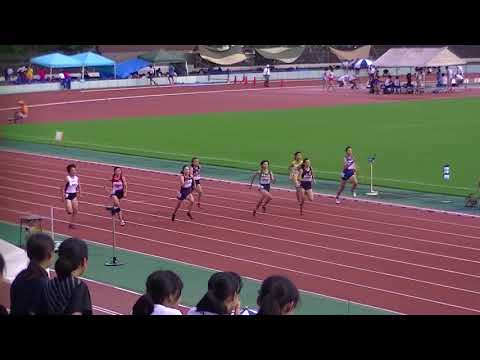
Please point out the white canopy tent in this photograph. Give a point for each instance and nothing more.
(418, 57)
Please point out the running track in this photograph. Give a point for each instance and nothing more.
(405, 260)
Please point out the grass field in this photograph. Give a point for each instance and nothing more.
(412, 140)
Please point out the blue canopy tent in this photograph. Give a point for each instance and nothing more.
(90, 59)
(56, 61)
(125, 68)
(362, 64)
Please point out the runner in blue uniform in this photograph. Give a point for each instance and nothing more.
(185, 193)
(306, 179)
(266, 179)
(348, 174)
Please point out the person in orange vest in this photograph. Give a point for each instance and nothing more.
(22, 112)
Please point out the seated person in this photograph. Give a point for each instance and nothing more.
(409, 85)
(459, 79)
(342, 80)
(388, 85)
(444, 81)
(396, 84)
(352, 79)
(21, 113)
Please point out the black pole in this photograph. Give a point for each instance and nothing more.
(114, 261)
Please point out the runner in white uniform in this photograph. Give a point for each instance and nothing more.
(71, 193)
(266, 178)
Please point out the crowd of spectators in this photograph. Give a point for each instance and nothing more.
(35, 291)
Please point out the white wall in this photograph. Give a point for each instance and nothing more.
(28, 88)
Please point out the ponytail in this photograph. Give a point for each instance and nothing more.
(71, 255)
(143, 306)
(275, 294)
(64, 267)
(269, 305)
(221, 286)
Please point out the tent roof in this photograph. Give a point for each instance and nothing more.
(418, 57)
(284, 54)
(360, 53)
(56, 60)
(164, 57)
(92, 59)
(127, 67)
(233, 55)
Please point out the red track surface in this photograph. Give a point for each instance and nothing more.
(405, 260)
(165, 100)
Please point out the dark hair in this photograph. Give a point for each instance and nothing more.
(264, 161)
(71, 254)
(396, 77)
(221, 286)
(2, 265)
(275, 293)
(40, 246)
(348, 147)
(115, 168)
(70, 167)
(183, 169)
(194, 158)
(163, 284)
(296, 153)
(303, 163)
(143, 306)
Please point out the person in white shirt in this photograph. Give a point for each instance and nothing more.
(266, 76)
(222, 297)
(164, 291)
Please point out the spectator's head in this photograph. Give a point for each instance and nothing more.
(443, 74)
(222, 296)
(143, 306)
(390, 76)
(396, 77)
(72, 258)
(72, 170)
(164, 288)
(277, 296)
(40, 249)
(446, 67)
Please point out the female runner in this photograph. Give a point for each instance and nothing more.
(186, 186)
(349, 173)
(293, 170)
(266, 178)
(306, 178)
(195, 166)
(71, 193)
(118, 191)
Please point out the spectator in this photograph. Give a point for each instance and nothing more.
(42, 73)
(409, 85)
(222, 297)
(171, 74)
(396, 85)
(5, 75)
(439, 77)
(164, 288)
(61, 77)
(66, 294)
(444, 82)
(449, 75)
(277, 296)
(27, 291)
(3, 309)
(10, 73)
(388, 86)
(266, 76)
(29, 74)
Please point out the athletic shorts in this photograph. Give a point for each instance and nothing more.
(119, 194)
(197, 182)
(183, 193)
(306, 185)
(265, 187)
(70, 196)
(347, 174)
